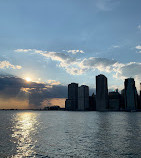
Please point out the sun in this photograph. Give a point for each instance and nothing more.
(28, 79)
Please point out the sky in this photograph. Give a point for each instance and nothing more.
(56, 42)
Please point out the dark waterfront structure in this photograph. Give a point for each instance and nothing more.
(114, 101)
(52, 108)
(130, 94)
(72, 101)
(83, 98)
(101, 93)
(92, 102)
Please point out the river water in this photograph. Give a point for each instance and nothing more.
(60, 134)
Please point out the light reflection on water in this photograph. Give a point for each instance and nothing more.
(23, 131)
(70, 134)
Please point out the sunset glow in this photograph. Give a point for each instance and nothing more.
(28, 79)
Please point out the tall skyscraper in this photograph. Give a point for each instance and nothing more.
(130, 94)
(101, 93)
(83, 98)
(72, 101)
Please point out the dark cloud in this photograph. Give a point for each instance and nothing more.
(94, 62)
(131, 69)
(36, 93)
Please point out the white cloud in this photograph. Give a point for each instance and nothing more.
(28, 50)
(75, 66)
(23, 50)
(75, 51)
(7, 64)
(116, 46)
(78, 66)
(138, 47)
(65, 61)
(53, 82)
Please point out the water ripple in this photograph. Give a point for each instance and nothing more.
(70, 134)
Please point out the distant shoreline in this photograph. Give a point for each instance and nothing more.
(63, 109)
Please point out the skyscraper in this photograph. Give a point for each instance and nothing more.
(130, 94)
(83, 98)
(101, 93)
(72, 101)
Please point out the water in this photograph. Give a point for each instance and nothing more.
(70, 134)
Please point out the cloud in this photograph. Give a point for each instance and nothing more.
(139, 27)
(23, 50)
(56, 56)
(138, 47)
(106, 5)
(13, 88)
(131, 69)
(75, 66)
(28, 50)
(7, 64)
(65, 61)
(75, 51)
(61, 57)
(116, 46)
(75, 70)
(101, 64)
(53, 82)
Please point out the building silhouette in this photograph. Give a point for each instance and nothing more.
(83, 98)
(130, 94)
(101, 93)
(92, 102)
(79, 99)
(114, 101)
(122, 103)
(72, 101)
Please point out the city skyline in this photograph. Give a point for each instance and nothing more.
(18, 93)
(53, 43)
(103, 100)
